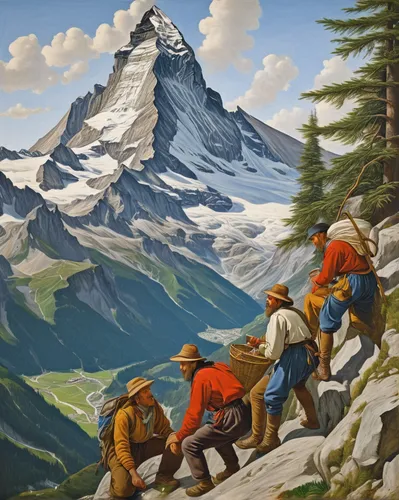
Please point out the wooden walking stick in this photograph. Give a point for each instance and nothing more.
(368, 254)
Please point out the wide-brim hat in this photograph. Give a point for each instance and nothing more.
(321, 227)
(136, 384)
(280, 292)
(189, 352)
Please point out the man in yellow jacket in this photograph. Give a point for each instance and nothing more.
(140, 432)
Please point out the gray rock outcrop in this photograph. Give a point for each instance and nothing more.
(22, 201)
(71, 122)
(48, 234)
(390, 482)
(366, 439)
(387, 259)
(64, 155)
(49, 176)
(7, 154)
(31, 154)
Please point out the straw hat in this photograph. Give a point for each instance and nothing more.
(136, 384)
(280, 292)
(189, 352)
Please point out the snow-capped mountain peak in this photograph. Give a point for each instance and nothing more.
(169, 35)
(153, 156)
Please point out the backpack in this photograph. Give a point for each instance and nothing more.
(106, 423)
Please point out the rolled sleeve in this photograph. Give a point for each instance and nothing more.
(275, 337)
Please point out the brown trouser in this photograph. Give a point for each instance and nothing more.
(258, 407)
(235, 423)
(312, 307)
(121, 481)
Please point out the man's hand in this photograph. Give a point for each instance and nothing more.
(252, 341)
(175, 448)
(137, 480)
(171, 440)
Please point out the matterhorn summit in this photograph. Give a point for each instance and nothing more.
(147, 195)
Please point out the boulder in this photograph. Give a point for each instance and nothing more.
(368, 435)
(391, 337)
(332, 397)
(389, 275)
(149, 468)
(387, 234)
(362, 492)
(390, 481)
(354, 206)
(285, 468)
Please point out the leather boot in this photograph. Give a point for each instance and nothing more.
(225, 474)
(258, 411)
(200, 489)
(248, 443)
(166, 484)
(305, 398)
(271, 440)
(326, 345)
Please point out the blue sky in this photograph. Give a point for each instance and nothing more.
(287, 28)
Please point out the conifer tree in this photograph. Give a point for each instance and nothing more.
(372, 168)
(312, 173)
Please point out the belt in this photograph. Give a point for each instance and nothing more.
(310, 345)
(302, 342)
(221, 411)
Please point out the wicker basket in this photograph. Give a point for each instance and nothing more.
(248, 368)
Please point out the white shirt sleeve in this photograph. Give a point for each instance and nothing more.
(275, 336)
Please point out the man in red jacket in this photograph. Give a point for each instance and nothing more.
(354, 290)
(215, 388)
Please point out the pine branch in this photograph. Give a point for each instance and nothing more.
(362, 121)
(356, 46)
(338, 93)
(378, 198)
(360, 24)
(374, 67)
(364, 153)
(370, 6)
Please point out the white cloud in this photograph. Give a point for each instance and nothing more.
(30, 67)
(75, 72)
(289, 120)
(19, 112)
(27, 68)
(226, 36)
(67, 48)
(275, 76)
(110, 38)
(335, 70)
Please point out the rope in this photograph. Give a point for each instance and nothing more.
(355, 185)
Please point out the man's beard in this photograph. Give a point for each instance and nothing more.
(270, 310)
(188, 374)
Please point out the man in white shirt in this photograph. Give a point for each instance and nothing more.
(288, 340)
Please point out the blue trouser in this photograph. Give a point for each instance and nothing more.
(363, 287)
(292, 368)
